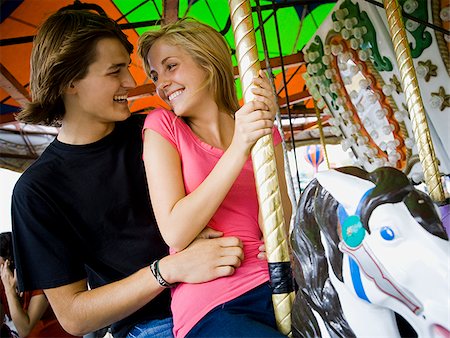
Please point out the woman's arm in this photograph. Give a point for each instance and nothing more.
(24, 321)
(181, 217)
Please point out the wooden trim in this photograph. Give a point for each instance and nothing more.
(295, 98)
(7, 118)
(13, 87)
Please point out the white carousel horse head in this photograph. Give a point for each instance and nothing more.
(381, 250)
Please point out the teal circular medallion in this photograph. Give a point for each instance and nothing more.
(353, 231)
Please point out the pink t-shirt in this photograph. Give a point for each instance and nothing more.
(236, 216)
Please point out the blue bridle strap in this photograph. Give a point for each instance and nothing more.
(356, 279)
(355, 273)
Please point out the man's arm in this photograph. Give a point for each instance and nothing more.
(205, 259)
(81, 311)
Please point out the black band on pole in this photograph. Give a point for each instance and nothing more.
(281, 279)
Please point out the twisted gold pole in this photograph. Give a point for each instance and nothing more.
(264, 165)
(414, 101)
(321, 133)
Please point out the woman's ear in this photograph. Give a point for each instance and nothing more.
(71, 88)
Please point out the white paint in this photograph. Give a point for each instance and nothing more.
(8, 179)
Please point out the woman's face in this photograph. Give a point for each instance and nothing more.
(179, 80)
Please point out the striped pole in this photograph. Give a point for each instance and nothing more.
(264, 165)
(414, 101)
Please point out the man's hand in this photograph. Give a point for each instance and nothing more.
(208, 233)
(262, 251)
(208, 257)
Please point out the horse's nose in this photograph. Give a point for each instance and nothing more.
(438, 331)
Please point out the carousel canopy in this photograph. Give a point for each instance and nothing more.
(288, 26)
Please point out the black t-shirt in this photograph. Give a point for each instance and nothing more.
(84, 211)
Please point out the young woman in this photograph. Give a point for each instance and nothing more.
(200, 174)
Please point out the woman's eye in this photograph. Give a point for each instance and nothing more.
(171, 66)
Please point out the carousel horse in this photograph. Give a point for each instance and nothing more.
(368, 246)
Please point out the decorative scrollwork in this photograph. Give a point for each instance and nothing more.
(362, 32)
(422, 38)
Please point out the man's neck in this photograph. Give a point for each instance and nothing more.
(79, 135)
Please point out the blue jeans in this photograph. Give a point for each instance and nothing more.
(250, 315)
(157, 328)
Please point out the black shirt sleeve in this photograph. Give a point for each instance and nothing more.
(37, 222)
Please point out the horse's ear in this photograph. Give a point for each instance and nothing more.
(346, 189)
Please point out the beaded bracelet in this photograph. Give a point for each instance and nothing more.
(154, 268)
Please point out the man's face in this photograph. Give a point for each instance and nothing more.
(101, 96)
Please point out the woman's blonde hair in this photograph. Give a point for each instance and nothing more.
(207, 47)
(63, 49)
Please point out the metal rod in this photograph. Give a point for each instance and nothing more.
(293, 3)
(321, 133)
(289, 80)
(287, 167)
(294, 47)
(280, 50)
(131, 10)
(413, 18)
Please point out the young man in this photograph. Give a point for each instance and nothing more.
(81, 212)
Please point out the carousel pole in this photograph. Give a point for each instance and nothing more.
(321, 133)
(266, 177)
(287, 167)
(414, 101)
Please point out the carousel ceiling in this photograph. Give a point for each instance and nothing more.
(288, 26)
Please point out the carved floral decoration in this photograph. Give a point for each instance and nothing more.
(440, 99)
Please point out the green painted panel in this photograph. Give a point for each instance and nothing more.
(145, 12)
(216, 14)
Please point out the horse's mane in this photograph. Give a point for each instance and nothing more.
(393, 186)
(317, 212)
(423, 211)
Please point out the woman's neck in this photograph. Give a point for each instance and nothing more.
(215, 129)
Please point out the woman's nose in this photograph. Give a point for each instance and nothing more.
(162, 86)
(163, 83)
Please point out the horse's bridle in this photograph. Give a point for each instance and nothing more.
(361, 257)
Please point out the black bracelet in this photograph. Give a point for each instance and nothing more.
(154, 268)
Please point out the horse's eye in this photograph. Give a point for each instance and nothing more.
(387, 233)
